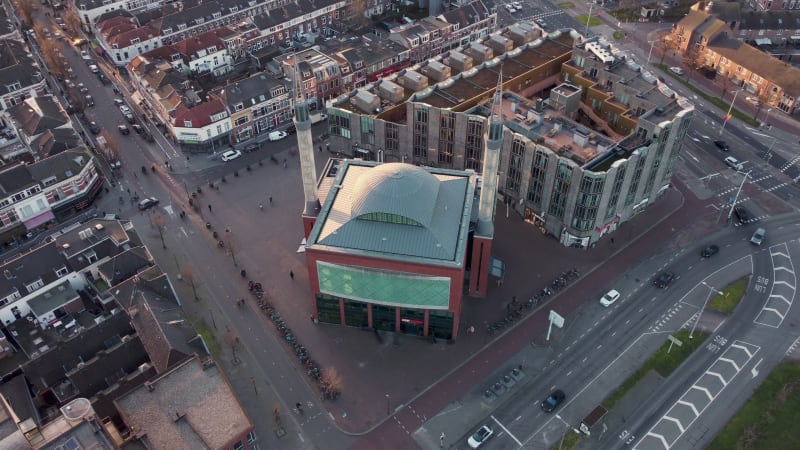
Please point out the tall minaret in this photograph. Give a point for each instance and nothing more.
(484, 230)
(305, 146)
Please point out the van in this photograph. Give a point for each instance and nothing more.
(276, 135)
(733, 163)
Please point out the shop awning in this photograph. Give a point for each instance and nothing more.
(763, 41)
(38, 220)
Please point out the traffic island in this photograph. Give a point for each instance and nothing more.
(726, 301)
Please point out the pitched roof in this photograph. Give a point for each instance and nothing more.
(251, 91)
(125, 265)
(53, 142)
(199, 115)
(776, 71)
(193, 47)
(17, 65)
(38, 114)
(693, 20)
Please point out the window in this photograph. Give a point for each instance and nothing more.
(561, 186)
(15, 86)
(187, 123)
(34, 285)
(240, 121)
(514, 175)
(536, 184)
(473, 150)
(251, 437)
(62, 272)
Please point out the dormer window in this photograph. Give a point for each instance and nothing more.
(187, 123)
(135, 41)
(34, 285)
(15, 86)
(62, 272)
(238, 106)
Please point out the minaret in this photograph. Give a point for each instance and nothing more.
(484, 230)
(305, 147)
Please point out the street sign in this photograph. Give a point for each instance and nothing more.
(556, 319)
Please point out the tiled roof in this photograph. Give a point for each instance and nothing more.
(250, 91)
(191, 46)
(770, 20)
(468, 14)
(16, 64)
(778, 72)
(199, 115)
(38, 114)
(693, 20)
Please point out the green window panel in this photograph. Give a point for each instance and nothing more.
(384, 287)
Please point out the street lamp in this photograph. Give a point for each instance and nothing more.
(728, 116)
(388, 409)
(711, 290)
(738, 191)
(588, 18)
(766, 117)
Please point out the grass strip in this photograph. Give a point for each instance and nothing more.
(731, 296)
(593, 21)
(566, 5)
(208, 336)
(662, 362)
(769, 418)
(716, 101)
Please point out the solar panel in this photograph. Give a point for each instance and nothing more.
(72, 444)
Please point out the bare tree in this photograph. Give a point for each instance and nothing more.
(331, 383)
(110, 148)
(357, 10)
(233, 340)
(189, 274)
(73, 22)
(25, 9)
(158, 222)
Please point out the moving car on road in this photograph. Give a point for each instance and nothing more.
(742, 214)
(758, 236)
(709, 251)
(676, 70)
(664, 279)
(722, 145)
(124, 129)
(610, 297)
(85, 55)
(94, 128)
(553, 400)
(148, 202)
(482, 435)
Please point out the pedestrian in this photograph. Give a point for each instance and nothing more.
(612, 241)
(270, 200)
(291, 274)
(312, 318)
(320, 149)
(513, 299)
(327, 146)
(209, 207)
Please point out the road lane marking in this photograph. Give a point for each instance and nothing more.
(507, 431)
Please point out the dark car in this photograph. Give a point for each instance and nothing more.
(709, 251)
(94, 128)
(148, 203)
(722, 145)
(252, 147)
(553, 400)
(137, 128)
(742, 214)
(291, 129)
(664, 279)
(124, 129)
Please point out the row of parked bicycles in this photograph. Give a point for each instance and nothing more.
(328, 387)
(516, 310)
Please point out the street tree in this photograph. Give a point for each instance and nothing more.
(110, 147)
(159, 223)
(331, 383)
(25, 8)
(73, 21)
(189, 275)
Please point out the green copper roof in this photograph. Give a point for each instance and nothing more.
(396, 210)
(384, 287)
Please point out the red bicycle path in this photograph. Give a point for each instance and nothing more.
(395, 433)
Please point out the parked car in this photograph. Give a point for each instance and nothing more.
(553, 400)
(541, 23)
(291, 129)
(277, 135)
(676, 70)
(758, 236)
(517, 5)
(709, 251)
(722, 145)
(610, 297)
(124, 109)
(124, 129)
(119, 101)
(664, 279)
(482, 435)
(85, 55)
(137, 128)
(89, 100)
(94, 68)
(252, 147)
(94, 128)
(230, 155)
(148, 202)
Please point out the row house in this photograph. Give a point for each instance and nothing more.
(774, 5)
(770, 30)
(256, 105)
(708, 41)
(297, 23)
(774, 82)
(124, 35)
(201, 127)
(46, 191)
(20, 75)
(90, 10)
(42, 127)
(433, 36)
(320, 74)
(158, 86)
(204, 53)
(367, 60)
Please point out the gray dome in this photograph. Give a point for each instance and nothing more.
(396, 188)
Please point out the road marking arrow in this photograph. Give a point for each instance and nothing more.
(754, 371)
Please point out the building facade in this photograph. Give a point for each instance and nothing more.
(577, 163)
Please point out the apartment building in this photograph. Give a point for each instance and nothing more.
(256, 105)
(578, 162)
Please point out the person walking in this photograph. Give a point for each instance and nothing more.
(291, 274)
(209, 207)
(270, 200)
(261, 206)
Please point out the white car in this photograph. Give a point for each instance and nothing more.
(510, 8)
(277, 135)
(482, 435)
(94, 68)
(610, 297)
(517, 5)
(85, 55)
(230, 155)
(676, 70)
(124, 110)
